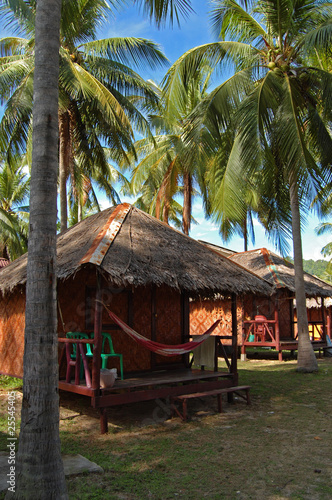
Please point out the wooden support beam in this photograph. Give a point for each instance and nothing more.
(103, 420)
(96, 360)
(185, 324)
(155, 393)
(276, 325)
(234, 337)
(323, 319)
(153, 323)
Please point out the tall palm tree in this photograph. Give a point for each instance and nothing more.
(14, 212)
(40, 468)
(169, 168)
(96, 108)
(280, 103)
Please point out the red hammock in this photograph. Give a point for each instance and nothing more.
(163, 349)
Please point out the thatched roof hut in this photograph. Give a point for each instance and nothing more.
(141, 251)
(279, 272)
(145, 272)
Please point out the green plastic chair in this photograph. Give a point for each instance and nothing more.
(106, 337)
(79, 335)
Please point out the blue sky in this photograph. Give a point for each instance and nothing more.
(174, 42)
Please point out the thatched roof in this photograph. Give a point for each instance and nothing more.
(132, 248)
(225, 252)
(279, 272)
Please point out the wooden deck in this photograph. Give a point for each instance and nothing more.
(161, 385)
(164, 383)
(262, 332)
(151, 385)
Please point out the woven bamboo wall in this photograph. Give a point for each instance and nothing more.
(77, 301)
(168, 321)
(76, 313)
(12, 324)
(203, 313)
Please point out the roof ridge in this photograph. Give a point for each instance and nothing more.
(106, 235)
(267, 256)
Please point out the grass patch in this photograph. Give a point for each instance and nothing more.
(277, 448)
(10, 383)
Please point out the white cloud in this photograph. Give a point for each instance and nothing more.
(122, 28)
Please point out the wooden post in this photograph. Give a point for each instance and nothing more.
(291, 317)
(96, 359)
(234, 338)
(185, 324)
(276, 325)
(153, 323)
(216, 344)
(276, 328)
(103, 420)
(323, 320)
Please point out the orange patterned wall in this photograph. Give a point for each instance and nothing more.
(203, 313)
(12, 324)
(133, 306)
(168, 321)
(75, 313)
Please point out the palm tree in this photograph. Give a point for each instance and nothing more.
(40, 470)
(169, 167)
(14, 213)
(40, 473)
(83, 196)
(280, 103)
(96, 85)
(234, 204)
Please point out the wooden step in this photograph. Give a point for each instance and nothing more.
(183, 398)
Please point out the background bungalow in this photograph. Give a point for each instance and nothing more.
(270, 321)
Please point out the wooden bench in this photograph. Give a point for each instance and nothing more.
(183, 398)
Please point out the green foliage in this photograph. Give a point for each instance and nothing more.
(319, 268)
(14, 214)
(101, 96)
(316, 267)
(10, 383)
(276, 103)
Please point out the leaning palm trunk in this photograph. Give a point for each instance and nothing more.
(64, 159)
(307, 361)
(187, 192)
(40, 468)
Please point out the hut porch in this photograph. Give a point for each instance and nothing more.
(263, 332)
(143, 386)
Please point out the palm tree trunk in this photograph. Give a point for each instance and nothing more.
(187, 192)
(245, 234)
(40, 471)
(306, 360)
(64, 158)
